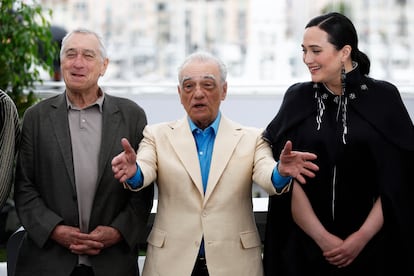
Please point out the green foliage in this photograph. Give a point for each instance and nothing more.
(26, 46)
(340, 7)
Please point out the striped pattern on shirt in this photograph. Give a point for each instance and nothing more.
(9, 139)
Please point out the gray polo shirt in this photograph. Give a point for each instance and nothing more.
(85, 131)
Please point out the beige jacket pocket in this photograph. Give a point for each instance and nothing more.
(250, 239)
(157, 237)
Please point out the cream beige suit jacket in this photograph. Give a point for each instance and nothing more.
(224, 214)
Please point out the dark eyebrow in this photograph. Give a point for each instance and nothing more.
(313, 47)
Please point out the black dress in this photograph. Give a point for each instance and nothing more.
(365, 146)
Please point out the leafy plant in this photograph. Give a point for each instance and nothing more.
(26, 46)
(340, 7)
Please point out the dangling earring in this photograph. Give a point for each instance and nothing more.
(343, 78)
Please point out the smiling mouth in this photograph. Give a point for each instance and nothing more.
(314, 68)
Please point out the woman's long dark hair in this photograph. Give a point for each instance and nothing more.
(341, 32)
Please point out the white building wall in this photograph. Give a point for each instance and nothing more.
(258, 39)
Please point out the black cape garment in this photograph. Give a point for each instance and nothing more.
(365, 146)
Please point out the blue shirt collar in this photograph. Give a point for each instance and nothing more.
(214, 125)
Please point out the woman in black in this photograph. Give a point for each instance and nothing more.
(356, 215)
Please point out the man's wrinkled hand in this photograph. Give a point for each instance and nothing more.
(124, 164)
(296, 163)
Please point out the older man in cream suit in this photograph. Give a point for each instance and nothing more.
(204, 166)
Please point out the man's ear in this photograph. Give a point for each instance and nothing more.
(223, 96)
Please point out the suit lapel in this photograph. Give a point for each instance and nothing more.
(182, 141)
(110, 123)
(227, 139)
(60, 125)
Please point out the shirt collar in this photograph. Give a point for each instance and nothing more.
(99, 102)
(214, 125)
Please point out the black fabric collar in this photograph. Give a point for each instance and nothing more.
(379, 102)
